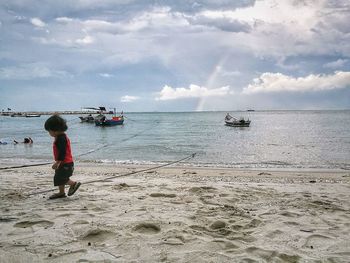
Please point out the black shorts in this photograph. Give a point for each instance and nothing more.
(63, 173)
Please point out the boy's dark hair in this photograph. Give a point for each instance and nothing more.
(56, 123)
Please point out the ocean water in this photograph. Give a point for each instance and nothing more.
(275, 139)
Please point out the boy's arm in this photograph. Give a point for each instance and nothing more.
(61, 144)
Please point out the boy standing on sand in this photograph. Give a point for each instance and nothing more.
(64, 165)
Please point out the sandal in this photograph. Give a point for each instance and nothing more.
(73, 188)
(57, 195)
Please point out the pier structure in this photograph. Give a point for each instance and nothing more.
(25, 113)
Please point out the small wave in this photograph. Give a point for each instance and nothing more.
(276, 163)
(128, 162)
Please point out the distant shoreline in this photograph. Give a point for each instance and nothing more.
(9, 113)
(72, 112)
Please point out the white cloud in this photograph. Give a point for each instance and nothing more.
(64, 19)
(37, 22)
(194, 91)
(277, 82)
(105, 75)
(223, 23)
(85, 41)
(295, 28)
(128, 98)
(336, 64)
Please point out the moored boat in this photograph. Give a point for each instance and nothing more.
(116, 120)
(234, 122)
(32, 115)
(88, 118)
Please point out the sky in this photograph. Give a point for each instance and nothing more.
(174, 55)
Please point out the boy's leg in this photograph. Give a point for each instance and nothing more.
(70, 182)
(61, 189)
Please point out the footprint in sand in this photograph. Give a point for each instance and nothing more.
(218, 224)
(290, 214)
(275, 234)
(252, 224)
(97, 235)
(80, 222)
(147, 228)
(226, 245)
(316, 240)
(202, 189)
(174, 240)
(271, 255)
(217, 229)
(121, 186)
(42, 223)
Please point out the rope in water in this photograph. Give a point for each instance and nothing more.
(123, 175)
(109, 144)
(79, 155)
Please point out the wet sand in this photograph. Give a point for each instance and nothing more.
(176, 214)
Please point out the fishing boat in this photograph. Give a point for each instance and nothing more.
(91, 119)
(234, 122)
(88, 118)
(116, 120)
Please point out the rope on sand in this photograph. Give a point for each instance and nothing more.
(23, 166)
(123, 175)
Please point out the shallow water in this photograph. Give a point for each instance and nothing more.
(276, 139)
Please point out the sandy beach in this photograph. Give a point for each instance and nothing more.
(176, 214)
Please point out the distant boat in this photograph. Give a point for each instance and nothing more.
(32, 115)
(234, 122)
(250, 110)
(17, 114)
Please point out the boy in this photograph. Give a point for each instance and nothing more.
(64, 165)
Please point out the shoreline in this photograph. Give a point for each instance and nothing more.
(143, 165)
(209, 167)
(176, 214)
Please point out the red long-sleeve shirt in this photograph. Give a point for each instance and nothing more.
(62, 149)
